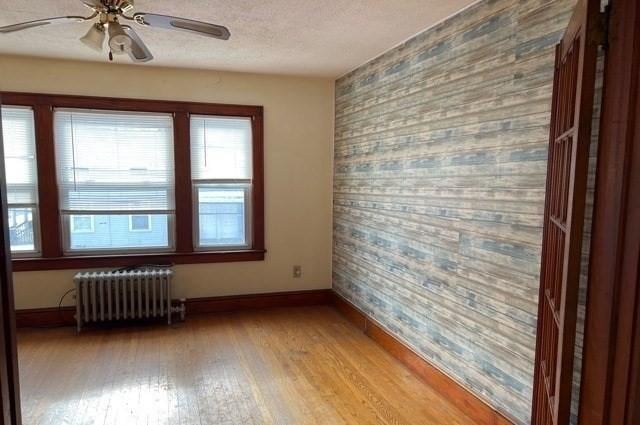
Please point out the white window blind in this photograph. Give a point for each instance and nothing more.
(114, 162)
(20, 156)
(220, 148)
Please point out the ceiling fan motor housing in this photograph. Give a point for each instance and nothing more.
(119, 5)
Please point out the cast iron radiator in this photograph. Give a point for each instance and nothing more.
(124, 294)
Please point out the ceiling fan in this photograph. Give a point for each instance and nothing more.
(122, 38)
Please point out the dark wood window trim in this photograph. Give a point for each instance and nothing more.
(51, 252)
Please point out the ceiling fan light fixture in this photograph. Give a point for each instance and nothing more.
(94, 38)
(119, 41)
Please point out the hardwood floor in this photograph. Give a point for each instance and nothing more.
(279, 366)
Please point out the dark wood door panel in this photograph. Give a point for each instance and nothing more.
(569, 140)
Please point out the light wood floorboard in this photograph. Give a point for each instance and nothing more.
(279, 366)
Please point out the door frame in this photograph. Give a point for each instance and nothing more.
(611, 365)
(10, 413)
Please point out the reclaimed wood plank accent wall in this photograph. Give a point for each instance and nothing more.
(440, 166)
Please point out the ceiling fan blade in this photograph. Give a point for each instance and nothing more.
(40, 22)
(172, 22)
(94, 4)
(138, 51)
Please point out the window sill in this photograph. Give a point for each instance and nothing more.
(106, 261)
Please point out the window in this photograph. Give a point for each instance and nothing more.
(222, 178)
(111, 164)
(19, 140)
(139, 223)
(82, 224)
(123, 182)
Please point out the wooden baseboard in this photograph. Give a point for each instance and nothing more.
(257, 301)
(465, 400)
(52, 317)
(45, 317)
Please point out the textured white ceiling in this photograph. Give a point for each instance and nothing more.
(297, 37)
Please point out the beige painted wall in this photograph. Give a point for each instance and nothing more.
(298, 167)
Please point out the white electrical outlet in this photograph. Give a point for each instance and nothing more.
(297, 271)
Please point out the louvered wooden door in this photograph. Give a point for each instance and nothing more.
(569, 140)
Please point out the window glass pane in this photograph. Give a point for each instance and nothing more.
(221, 150)
(18, 135)
(112, 231)
(115, 179)
(221, 216)
(220, 147)
(21, 229)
